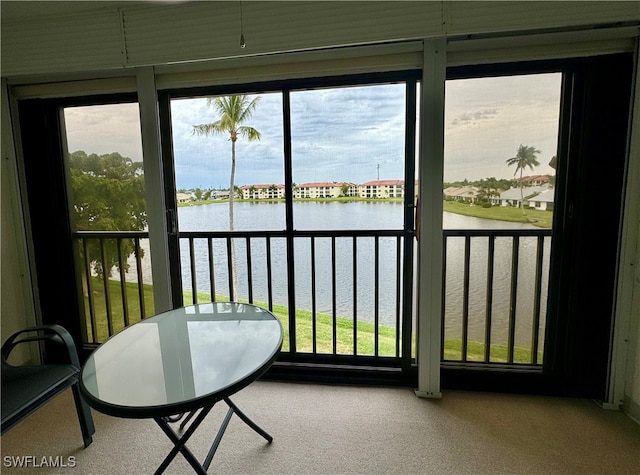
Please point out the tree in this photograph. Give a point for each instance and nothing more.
(108, 195)
(525, 157)
(487, 189)
(233, 112)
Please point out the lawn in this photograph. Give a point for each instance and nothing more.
(542, 219)
(365, 331)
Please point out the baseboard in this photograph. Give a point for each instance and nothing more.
(428, 394)
(631, 409)
(609, 406)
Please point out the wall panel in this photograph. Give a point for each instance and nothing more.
(76, 42)
(100, 36)
(491, 17)
(207, 30)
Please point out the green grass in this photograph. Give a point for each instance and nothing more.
(101, 329)
(475, 352)
(365, 331)
(536, 217)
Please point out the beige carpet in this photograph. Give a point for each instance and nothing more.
(321, 429)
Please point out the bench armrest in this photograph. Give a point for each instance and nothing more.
(53, 333)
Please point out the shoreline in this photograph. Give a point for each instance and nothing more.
(542, 219)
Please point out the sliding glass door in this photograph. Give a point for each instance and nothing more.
(298, 196)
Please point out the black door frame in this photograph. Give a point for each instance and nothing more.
(583, 267)
(57, 288)
(293, 365)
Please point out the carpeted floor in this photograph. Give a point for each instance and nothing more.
(321, 429)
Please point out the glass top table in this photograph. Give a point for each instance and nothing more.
(183, 361)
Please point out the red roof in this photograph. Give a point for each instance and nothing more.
(384, 183)
(319, 184)
(246, 187)
(543, 178)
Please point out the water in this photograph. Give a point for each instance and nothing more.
(363, 215)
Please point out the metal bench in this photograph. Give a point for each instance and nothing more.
(27, 388)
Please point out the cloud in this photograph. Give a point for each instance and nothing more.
(473, 118)
(479, 143)
(337, 134)
(104, 129)
(341, 133)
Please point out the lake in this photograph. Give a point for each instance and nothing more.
(359, 216)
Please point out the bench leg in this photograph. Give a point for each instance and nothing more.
(84, 416)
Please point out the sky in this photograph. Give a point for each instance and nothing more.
(351, 134)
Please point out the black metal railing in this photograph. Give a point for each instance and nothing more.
(112, 287)
(343, 304)
(348, 288)
(507, 288)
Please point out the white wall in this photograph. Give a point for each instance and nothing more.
(632, 392)
(16, 311)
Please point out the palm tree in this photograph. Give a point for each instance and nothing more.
(526, 157)
(233, 112)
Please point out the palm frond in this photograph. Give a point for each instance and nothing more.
(232, 111)
(247, 108)
(208, 129)
(249, 132)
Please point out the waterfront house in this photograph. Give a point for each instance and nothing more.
(532, 180)
(183, 197)
(463, 194)
(539, 197)
(542, 200)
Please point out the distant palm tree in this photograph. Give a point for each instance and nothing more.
(233, 111)
(526, 157)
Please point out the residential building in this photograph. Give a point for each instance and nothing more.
(382, 189)
(320, 189)
(261, 191)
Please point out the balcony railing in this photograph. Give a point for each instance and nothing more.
(347, 285)
(348, 289)
(494, 294)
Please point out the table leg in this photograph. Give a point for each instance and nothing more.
(179, 443)
(248, 421)
(232, 409)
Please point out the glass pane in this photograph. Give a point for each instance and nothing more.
(205, 149)
(499, 171)
(106, 193)
(223, 143)
(348, 157)
(501, 132)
